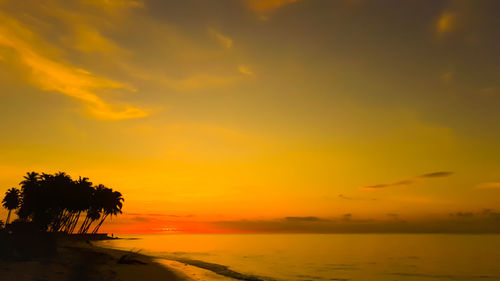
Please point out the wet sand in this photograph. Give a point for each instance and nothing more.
(82, 261)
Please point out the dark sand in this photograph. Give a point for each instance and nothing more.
(81, 261)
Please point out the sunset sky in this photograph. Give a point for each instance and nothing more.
(258, 115)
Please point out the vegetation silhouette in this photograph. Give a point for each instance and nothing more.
(55, 203)
(11, 201)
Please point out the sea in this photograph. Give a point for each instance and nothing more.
(300, 257)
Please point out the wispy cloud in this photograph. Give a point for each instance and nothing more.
(446, 23)
(267, 5)
(406, 182)
(159, 215)
(116, 4)
(486, 221)
(88, 39)
(49, 74)
(200, 81)
(341, 196)
(245, 70)
(488, 185)
(436, 175)
(468, 21)
(384, 185)
(226, 41)
(303, 219)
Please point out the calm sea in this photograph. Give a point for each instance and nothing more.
(361, 257)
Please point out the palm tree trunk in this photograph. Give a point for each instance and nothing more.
(99, 224)
(8, 217)
(75, 222)
(87, 227)
(82, 227)
(64, 220)
(57, 224)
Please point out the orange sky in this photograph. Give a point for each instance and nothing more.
(234, 115)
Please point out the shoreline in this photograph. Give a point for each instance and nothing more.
(183, 271)
(195, 270)
(83, 261)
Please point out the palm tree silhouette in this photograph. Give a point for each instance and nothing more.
(11, 201)
(29, 188)
(55, 202)
(112, 206)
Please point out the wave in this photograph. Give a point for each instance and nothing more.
(444, 276)
(221, 270)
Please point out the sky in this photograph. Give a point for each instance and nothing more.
(260, 115)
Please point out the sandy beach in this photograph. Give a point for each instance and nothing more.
(82, 261)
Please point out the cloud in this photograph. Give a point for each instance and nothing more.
(486, 221)
(409, 181)
(436, 175)
(347, 216)
(267, 5)
(245, 70)
(55, 76)
(482, 221)
(224, 40)
(141, 219)
(446, 23)
(403, 182)
(95, 29)
(468, 21)
(87, 39)
(193, 81)
(384, 185)
(462, 214)
(341, 196)
(303, 219)
(116, 3)
(488, 185)
(345, 197)
(181, 216)
(159, 215)
(490, 213)
(377, 186)
(200, 81)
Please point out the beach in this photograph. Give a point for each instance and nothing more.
(80, 261)
(291, 257)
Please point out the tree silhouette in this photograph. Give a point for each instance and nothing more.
(29, 187)
(112, 206)
(11, 201)
(55, 202)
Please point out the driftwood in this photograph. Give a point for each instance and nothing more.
(130, 258)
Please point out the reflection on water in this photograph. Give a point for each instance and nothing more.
(333, 257)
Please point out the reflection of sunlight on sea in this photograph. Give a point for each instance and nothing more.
(332, 257)
(193, 272)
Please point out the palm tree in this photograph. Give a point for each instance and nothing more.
(93, 214)
(29, 188)
(55, 202)
(11, 201)
(112, 206)
(80, 200)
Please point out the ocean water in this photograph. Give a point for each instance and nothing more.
(360, 257)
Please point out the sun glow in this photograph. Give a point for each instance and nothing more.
(258, 116)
